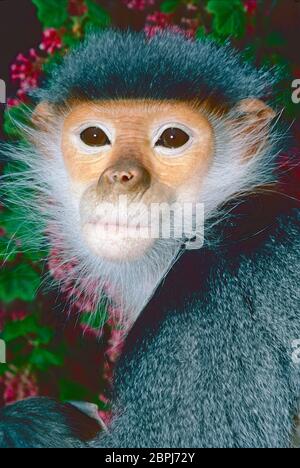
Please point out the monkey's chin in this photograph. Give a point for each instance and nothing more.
(116, 245)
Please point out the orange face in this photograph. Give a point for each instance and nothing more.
(147, 151)
(133, 129)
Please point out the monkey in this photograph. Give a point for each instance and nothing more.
(211, 311)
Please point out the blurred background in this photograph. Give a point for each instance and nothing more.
(55, 348)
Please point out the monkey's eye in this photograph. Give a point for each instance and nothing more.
(94, 136)
(173, 138)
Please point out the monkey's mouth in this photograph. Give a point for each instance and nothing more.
(117, 241)
(106, 229)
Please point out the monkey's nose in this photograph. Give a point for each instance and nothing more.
(122, 177)
(126, 176)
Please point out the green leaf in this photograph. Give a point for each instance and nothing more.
(201, 32)
(20, 282)
(19, 227)
(52, 13)
(8, 250)
(20, 328)
(70, 40)
(74, 391)
(42, 359)
(3, 369)
(17, 219)
(11, 222)
(35, 256)
(170, 6)
(70, 390)
(97, 16)
(229, 17)
(95, 320)
(26, 328)
(14, 118)
(45, 335)
(52, 61)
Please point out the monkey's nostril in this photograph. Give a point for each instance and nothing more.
(122, 177)
(126, 177)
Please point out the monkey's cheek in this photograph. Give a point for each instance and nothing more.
(115, 245)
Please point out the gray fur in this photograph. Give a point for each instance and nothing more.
(208, 363)
(218, 370)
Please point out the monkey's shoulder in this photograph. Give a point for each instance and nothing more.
(247, 279)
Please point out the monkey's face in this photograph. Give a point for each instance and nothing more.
(124, 159)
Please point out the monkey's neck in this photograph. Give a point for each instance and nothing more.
(133, 284)
(128, 286)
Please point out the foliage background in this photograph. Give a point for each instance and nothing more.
(54, 348)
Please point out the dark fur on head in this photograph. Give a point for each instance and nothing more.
(115, 65)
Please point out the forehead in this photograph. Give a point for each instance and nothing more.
(144, 112)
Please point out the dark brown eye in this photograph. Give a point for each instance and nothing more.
(173, 138)
(94, 136)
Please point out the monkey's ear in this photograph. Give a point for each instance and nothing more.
(255, 110)
(252, 118)
(42, 116)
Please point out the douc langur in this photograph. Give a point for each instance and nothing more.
(210, 312)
